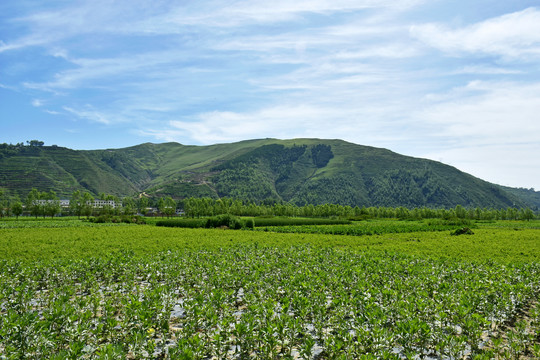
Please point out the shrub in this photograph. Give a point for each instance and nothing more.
(183, 223)
(225, 220)
(462, 231)
(102, 219)
(250, 223)
(450, 221)
(284, 221)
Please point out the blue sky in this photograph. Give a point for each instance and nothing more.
(449, 80)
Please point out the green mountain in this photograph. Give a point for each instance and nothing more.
(301, 171)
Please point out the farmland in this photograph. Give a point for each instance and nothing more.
(75, 289)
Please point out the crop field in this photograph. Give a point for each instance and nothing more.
(72, 289)
(366, 227)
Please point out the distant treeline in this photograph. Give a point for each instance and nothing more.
(28, 143)
(45, 203)
(31, 147)
(80, 204)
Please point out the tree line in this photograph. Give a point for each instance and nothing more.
(82, 204)
(197, 207)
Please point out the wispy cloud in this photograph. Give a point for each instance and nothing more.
(89, 114)
(381, 73)
(246, 13)
(487, 70)
(52, 112)
(510, 36)
(490, 130)
(37, 103)
(488, 112)
(282, 121)
(47, 26)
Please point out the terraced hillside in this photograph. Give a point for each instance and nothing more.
(300, 171)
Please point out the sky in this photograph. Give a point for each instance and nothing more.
(455, 81)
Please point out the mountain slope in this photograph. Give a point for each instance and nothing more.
(301, 171)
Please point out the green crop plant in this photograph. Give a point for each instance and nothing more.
(140, 291)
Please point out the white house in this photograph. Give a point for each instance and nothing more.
(98, 204)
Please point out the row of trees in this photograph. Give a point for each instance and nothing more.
(82, 204)
(36, 204)
(196, 207)
(45, 203)
(10, 207)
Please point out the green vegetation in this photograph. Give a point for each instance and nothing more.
(198, 223)
(83, 204)
(285, 221)
(364, 228)
(234, 222)
(343, 251)
(31, 239)
(118, 219)
(219, 221)
(196, 207)
(71, 288)
(299, 171)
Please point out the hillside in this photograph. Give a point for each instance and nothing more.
(301, 171)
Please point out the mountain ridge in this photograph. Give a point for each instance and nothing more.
(301, 171)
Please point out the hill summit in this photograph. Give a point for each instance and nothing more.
(300, 171)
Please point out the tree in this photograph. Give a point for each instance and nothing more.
(35, 143)
(128, 206)
(108, 209)
(3, 204)
(32, 202)
(76, 203)
(142, 204)
(527, 214)
(52, 204)
(190, 207)
(88, 204)
(460, 211)
(5, 209)
(167, 206)
(161, 206)
(17, 208)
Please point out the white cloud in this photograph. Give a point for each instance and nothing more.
(515, 166)
(89, 114)
(37, 103)
(232, 70)
(103, 70)
(389, 51)
(247, 13)
(285, 121)
(52, 112)
(488, 112)
(32, 40)
(7, 87)
(361, 123)
(488, 129)
(486, 70)
(48, 27)
(511, 36)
